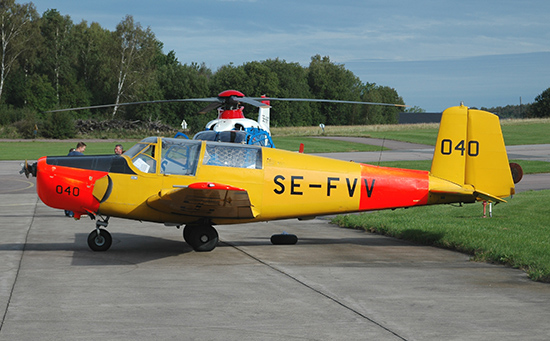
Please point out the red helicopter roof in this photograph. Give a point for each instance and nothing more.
(228, 93)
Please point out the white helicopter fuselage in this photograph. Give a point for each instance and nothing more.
(226, 122)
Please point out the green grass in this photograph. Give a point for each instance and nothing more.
(315, 145)
(32, 150)
(423, 136)
(516, 132)
(529, 167)
(518, 235)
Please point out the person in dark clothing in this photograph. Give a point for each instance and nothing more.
(79, 150)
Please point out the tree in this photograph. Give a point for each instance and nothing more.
(183, 81)
(332, 81)
(292, 83)
(541, 106)
(379, 114)
(17, 30)
(135, 48)
(94, 72)
(55, 54)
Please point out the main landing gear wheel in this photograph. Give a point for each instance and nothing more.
(201, 238)
(100, 240)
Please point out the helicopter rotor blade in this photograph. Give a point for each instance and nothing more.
(211, 106)
(326, 101)
(211, 99)
(230, 100)
(253, 101)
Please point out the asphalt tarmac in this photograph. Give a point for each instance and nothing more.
(335, 284)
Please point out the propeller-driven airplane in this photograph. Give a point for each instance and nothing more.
(200, 184)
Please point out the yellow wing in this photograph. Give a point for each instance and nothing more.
(204, 199)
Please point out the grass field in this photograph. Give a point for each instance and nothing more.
(518, 235)
(529, 167)
(32, 150)
(314, 145)
(516, 132)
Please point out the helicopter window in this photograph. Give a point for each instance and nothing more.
(227, 155)
(179, 156)
(232, 136)
(207, 135)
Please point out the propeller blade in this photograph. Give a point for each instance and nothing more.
(325, 101)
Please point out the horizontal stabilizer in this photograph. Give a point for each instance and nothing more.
(488, 197)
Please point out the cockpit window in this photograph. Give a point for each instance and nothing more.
(179, 156)
(139, 147)
(233, 155)
(143, 155)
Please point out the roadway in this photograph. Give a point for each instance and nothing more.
(334, 284)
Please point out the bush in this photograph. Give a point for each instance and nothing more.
(58, 125)
(10, 115)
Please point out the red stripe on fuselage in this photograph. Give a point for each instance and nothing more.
(383, 187)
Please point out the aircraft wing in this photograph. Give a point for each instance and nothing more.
(204, 199)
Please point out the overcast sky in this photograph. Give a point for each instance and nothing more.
(435, 53)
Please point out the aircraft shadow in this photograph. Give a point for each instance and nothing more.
(372, 239)
(126, 249)
(136, 249)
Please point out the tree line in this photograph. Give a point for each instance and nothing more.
(49, 62)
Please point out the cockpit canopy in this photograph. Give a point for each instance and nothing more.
(181, 157)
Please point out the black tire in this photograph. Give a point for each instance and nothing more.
(202, 238)
(284, 239)
(187, 233)
(101, 242)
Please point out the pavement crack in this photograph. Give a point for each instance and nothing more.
(19, 266)
(327, 296)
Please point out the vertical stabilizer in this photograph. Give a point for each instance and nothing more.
(470, 152)
(263, 116)
(449, 163)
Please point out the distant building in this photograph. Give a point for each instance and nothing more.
(421, 117)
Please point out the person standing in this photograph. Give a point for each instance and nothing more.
(79, 150)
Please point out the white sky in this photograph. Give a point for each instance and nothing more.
(434, 53)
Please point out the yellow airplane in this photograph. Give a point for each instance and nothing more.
(200, 184)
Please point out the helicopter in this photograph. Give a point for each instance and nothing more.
(231, 125)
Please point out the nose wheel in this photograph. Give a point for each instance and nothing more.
(100, 239)
(201, 238)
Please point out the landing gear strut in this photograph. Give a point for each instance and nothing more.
(100, 239)
(201, 237)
